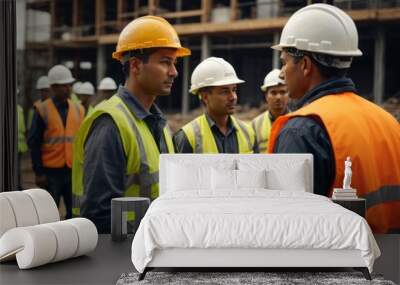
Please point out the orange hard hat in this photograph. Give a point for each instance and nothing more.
(148, 32)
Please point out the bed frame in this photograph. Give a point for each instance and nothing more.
(242, 259)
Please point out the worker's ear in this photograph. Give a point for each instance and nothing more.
(203, 96)
(135, 66)
(306, 65)
(266, 95)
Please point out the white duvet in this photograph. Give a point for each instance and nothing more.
(253, 218)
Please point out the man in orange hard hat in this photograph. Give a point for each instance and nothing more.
(118, 146)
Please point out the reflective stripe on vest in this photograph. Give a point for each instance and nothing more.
(262, 128)
(139, 146)
(57, 138)
(246, 133)
(144, 178)
(202, 140)
(198, 145)
(371, 137)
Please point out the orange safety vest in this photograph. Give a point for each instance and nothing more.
(371, 137)
(57, 139)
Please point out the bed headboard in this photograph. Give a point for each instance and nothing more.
(280, 162)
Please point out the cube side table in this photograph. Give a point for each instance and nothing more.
(358, 205)
(119, 211)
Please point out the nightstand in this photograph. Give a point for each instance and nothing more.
(124, 208)
(356, 205)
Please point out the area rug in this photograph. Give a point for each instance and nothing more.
(229, 278)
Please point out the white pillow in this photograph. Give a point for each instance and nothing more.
(184, 177)
(282, 174)
(291, 179)
(223, 179)
(251, 178)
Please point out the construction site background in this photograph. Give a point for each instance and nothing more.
(81, 34)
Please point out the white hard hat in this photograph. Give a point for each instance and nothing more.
(86, 88)
(107, 83)
(59, 74)
(272, 79)
(42, 83)
(213, 71)
(75, 86)
(321, 28)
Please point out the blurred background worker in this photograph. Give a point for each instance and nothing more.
(214, 80)
(55, 123)
(43, 91)
(106, 89)
(276, 97)
(332, 122)
(22, 146)
(118, 146)
(85, 93)
(75, 88)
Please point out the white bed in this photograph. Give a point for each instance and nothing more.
(267, 218)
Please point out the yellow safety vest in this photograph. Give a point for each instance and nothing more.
(139, 146)
(75, 98)
(22, 146)
(262, 128)
(89, 111)
(202, 140)
(31, 112)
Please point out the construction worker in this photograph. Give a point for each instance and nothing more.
(118, 146)
(75, 88)
(22, 146)
(275, 94)
(43, 90)
(85, 93)
(332, 122)
(55, 123)
(214, 80)
(106, 88)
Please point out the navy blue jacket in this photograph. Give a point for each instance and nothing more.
(105, 160)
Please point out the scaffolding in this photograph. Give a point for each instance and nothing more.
(88, 30)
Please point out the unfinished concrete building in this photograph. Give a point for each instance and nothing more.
(83, 34)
